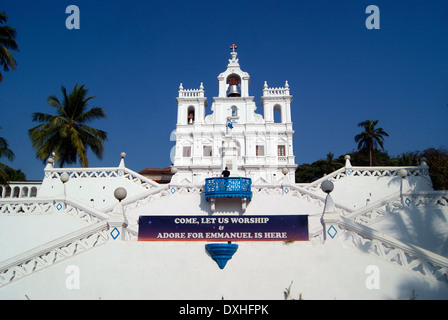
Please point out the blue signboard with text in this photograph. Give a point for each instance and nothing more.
(223, 228)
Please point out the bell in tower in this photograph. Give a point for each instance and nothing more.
(233, 84)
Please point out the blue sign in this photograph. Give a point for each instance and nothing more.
(223, 228)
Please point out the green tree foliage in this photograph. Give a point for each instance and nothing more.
(5, 152)
(436, 159)
(66, 133)
(7, 43)
(370, 138)
(306, 173)
(14, 175)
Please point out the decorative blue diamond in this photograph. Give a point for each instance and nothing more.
(173, 190)
(349, 172)
(286, 190)
(332, 231)
(407, 201)
(59, 206)
(115, 233)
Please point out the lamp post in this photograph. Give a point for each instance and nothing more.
(64, 178)
(117, 220)
(330, 218)
(402, 173)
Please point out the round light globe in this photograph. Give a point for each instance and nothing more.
(402, 173)
(64, 177)
(327, 186)
(120, 193)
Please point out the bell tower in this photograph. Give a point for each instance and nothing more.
(233, 82)
(252, 145)
(191, 105)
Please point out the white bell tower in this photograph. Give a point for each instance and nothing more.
(253, 145)
(233, 82)
(191, 105)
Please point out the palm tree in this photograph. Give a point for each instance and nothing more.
(7, 42)
(371, 137)
(66, 133)
(5, 152)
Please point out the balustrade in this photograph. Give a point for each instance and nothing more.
(407, 256)
(19, 190)
(228, 187)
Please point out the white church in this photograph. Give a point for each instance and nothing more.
(248, 232)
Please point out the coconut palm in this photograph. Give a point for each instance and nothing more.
(7, 42)
(371, 137)
(5, 152)
(66, 133)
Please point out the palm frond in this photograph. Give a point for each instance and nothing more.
(93, 114)
(65, 134)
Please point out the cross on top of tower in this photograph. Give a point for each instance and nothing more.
(233, 47)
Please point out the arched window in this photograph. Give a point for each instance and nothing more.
(190, 115)
(277, 114)
(24, 192)
(234, 110)
(33, 192)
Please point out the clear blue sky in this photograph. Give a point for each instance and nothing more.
(132, 55)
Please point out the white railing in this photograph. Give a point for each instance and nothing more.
(19, 189)
(368, 172)
(55, 251)
(407, 256)
(140, 180)
(138, 201)
(99, 173)
(278, 91)
(438, 198)
(36, 206)
(383, 208)
(191, 93)
(385, 171)
(336, 175)
(17, 206)
(142, 199)
(378, 210)
(84, 173)
(281, 159)
(314, 198)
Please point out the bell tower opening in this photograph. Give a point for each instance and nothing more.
(233, 82)
(190, 113)
(277, 114)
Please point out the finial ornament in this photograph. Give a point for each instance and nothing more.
(233, 47)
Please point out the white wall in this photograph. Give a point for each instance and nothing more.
(180, 270)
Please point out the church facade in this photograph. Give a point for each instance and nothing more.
(234, 135)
